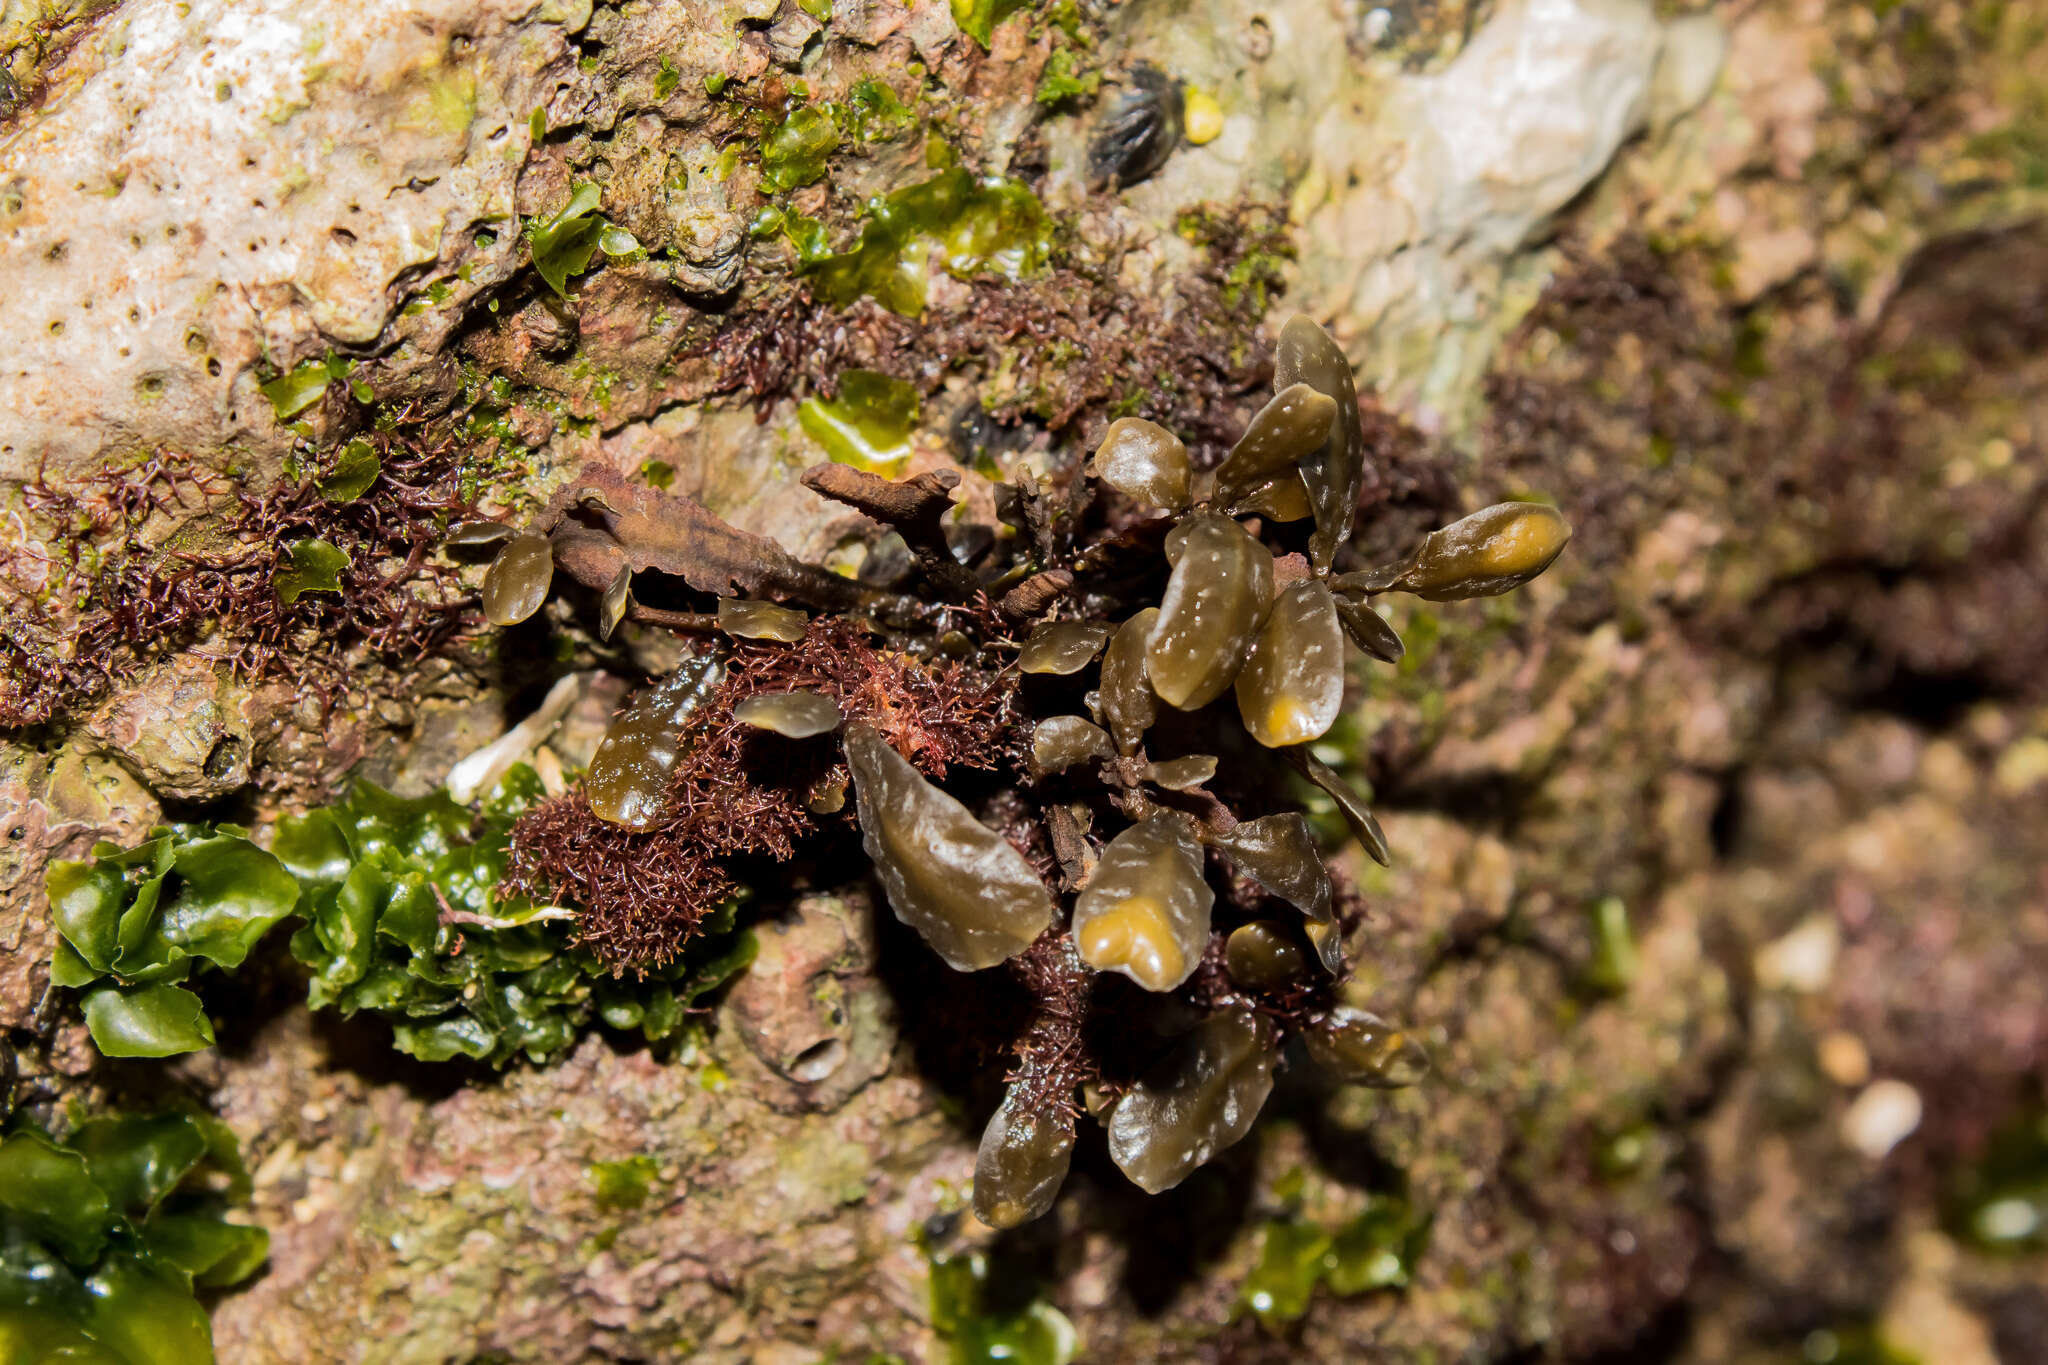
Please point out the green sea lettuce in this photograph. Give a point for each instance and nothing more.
(133, 923)
(105, 1235)
(405, 919)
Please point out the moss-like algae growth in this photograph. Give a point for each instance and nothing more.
(622, 1186)
(105, 1235)
(1065, 79)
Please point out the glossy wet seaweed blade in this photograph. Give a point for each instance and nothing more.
(106, 1234)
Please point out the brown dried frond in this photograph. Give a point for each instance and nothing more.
(738, 791)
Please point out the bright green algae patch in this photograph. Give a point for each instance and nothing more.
(868, 425)
(1613, 965)
(296, 390)
(978, 18)
(562, 245)
(978, 225)
(872, 113)
(1064, 78)
(404, 919)
(975, 1332)
(795, 153)
(316, 566)
(104, 1236)
(622, 1186)
(355, 468)
(133, 923)
(1376, 1250)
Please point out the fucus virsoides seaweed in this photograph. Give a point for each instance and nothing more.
(1110, 860)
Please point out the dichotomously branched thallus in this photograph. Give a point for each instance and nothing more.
(1208, 609)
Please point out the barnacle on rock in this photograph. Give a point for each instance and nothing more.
(1086, 852)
